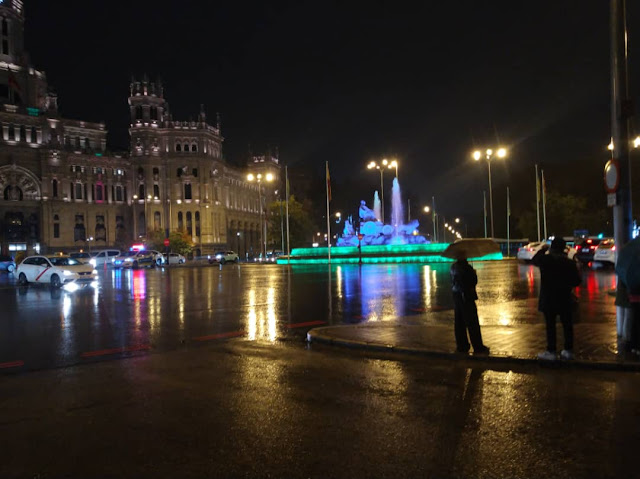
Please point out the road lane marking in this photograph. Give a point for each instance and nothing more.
(105, 352)
(230, 334)
(308, 323)
(11, 364)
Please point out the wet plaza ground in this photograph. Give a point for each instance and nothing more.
(168, 308)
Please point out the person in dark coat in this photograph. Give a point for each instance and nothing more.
(558, 276)
(463, 285)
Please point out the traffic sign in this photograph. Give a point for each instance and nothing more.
(612, 176)
(166, 242)
(360, 236)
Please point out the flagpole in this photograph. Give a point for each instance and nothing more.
(328, 214)
(286, 176)
(484, 206)
(434, 216)
(538, 200)
(508, 218)
(544, 206)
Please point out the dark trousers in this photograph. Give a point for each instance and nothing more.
(567, 326)
(466, 319)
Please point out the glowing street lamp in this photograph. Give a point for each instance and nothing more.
(488, 155)
(375, 166)
(263, 224)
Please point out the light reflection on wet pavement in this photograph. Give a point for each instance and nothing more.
(167, 309)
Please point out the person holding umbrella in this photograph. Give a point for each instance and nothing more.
(628, 271)
(558, 276)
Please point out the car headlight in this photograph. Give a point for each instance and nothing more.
(218, 256)
(92, 261)
(67, 273)
(94, 272)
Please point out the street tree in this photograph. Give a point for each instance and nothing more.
(301, 225)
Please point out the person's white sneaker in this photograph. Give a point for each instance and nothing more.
(566, 354)
(547, 356)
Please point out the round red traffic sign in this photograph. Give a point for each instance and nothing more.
(612, 176)
(166, 242)
(360, 236)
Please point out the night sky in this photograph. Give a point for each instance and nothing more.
(349, 82)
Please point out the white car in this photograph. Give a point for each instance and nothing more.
(56, 270)
(528, 251)
(174, 258)
(100, 258)
(157, 256)
(605, 253)
(223, 257)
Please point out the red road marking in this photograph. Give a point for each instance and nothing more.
(230, 334)
(11, 364)
(104, 352)
(302, 325)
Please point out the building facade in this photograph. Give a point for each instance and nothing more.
(60, 190)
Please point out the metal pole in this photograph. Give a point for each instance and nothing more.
(621, 114)
(491, 198)
(433, 218)
(261, 226)
(328, 223)
(544, 207)
(508, 220)
(286, 175)
(538, 200)
(408, 208)
(484, 211)
(382, 190)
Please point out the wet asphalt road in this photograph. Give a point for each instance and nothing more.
(166, 309)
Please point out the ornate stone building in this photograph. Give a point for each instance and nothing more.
(61, 190)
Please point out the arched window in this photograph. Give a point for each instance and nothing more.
(186, 147)
(141, 191)
(178, 147)
(54, 188)
(197, 223)
(187, 191)
(156, 221)
(180, 222)
(179, 172)
(194, 147)
(189, 224)
(156, 192)
(156, 174)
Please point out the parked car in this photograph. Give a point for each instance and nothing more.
(272, 256)
(56, 270)
(106, 256)
(174, 258)
(7, 264)
(223, 257)
(135, 259)
(157, 256)
(586, 249)
(82, 256)
(605, 253)
(528, 251)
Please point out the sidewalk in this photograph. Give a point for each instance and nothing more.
(595, 343)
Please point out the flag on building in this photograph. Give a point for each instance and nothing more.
(328, 183)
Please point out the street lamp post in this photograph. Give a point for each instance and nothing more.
(488, 154)
(263, 225)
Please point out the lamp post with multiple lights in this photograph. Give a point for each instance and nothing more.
(263, 224)
(488, 155)
(381, 167)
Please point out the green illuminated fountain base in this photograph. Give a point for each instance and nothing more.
(414, 253)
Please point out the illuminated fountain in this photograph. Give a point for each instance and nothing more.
(371, 241)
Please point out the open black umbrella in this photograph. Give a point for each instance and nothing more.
(471, 248)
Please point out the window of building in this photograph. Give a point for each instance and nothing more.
(99, 193)
(78, 192)
(34, 135)
(179, 172)
(186, 147)
(5, 26)
(180, 222)
(178, 147)
(142, 224)
(5, 46)
(194, 147)
(195, 172)
(187, 191)
(189, 224)
(12, 132)
(54, 188)
(140, 173)
(77, 142)
(156, 221)
(101, 230)
(198, 223)
(154, 113)
(23, 133)
(141, 191)
(87, 143)
(56, 226)
(79, 232)
(119, 196)
(156, 174)
(156, 192)
(139, 113)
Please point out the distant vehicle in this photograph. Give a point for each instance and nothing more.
(174, 258)
(7, 264)
(605, 253)
(528, 251)
(106, 256)
(272, 256)
(81, 256)
(223, 257)
(56, 270)
(135, 259)
(586, 249)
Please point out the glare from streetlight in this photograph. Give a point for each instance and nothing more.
(502, 152)
(610, 146)
(489, 152)
(371, 165)
(457, 220)
(427, 209)
(446, 225)
(269, 177)
(338, 214)
(636, 142)
(477, 155)
(250, 177)
(385, 162)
